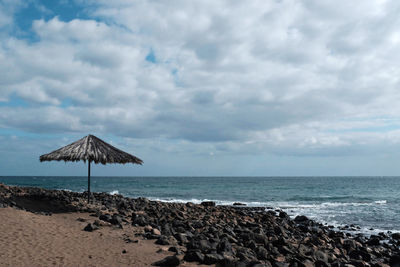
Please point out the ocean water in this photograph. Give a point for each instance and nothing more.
(372, 203)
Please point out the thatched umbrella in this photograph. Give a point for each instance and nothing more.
(91, 149)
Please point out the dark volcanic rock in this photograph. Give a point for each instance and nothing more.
(166, 240)
(208, 203)
(283, 215)
(181, 238)
(194, 255)
(224, 246)
(122, 205)
(140, 220)
(395, 260)
(168, 261)
(176, 250)
(105, 217)
(262, 253)
(203, 245)
(90, 228)
(321, 256)
(360, 255)
(350, 244)
(301, 219)
(116, 219)
(374, 241)
(396, 236)
(212, 258)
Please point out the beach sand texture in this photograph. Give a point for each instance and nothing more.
(29, 239)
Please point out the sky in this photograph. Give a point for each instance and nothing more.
(196, 88)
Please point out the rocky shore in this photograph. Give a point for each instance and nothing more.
(216, 235)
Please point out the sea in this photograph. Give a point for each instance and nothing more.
(371, 204)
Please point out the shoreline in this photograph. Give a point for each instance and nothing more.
(209, 234)
(286, 207)
(323, 199)
(352, 228)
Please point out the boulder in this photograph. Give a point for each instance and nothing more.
(203, 245)
(396, 236)
(175, 249)
(321, 256)
(283, 215)
(166, 240)
(181, 238)
(139, 219)
(155, 231)
(360, 255)
(148, 228)
(212, 258)
(358, 263)
(208, 203)
(116, 219)
(374, 241)
(90, 228)
(262, 253)
(194, 255)
(168, 261)
(122, 205)
(350, 244)
(105, 217)
(395, 260)
(101, 223)
(224, 246)
(300, 219)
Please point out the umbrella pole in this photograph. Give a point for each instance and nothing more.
(88, 198)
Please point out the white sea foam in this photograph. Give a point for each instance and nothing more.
(296, 205)
(368, 231)
(325, 212)
(64, 189)
(218, 202)
(114, 192)
(278, 205)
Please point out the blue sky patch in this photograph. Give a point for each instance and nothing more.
(14, 101)
(46, 10)
(67, 102)
(151, 57)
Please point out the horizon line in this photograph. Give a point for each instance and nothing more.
(204, 176)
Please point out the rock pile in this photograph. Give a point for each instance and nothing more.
(222, 235)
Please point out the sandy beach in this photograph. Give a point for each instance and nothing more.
(30, 239)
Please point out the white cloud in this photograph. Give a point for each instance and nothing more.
(7, 10)
(240, 76)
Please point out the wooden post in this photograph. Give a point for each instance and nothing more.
(88, 198)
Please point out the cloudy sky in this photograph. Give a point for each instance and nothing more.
(282, 87)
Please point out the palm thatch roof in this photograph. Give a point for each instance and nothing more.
(92, 149)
